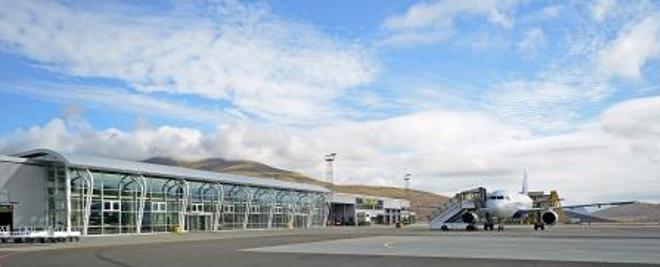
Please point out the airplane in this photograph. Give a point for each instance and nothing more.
(502, 205)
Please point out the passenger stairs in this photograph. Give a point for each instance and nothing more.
(449, 213)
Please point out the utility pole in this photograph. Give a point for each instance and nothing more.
(406, 182)
(329, 159)
(406, 187)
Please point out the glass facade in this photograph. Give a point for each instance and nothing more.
(56, 192)
(105, 203)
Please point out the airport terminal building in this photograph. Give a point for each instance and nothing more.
(357, 209)
(105, 196)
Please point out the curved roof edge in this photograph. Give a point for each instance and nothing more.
(149, 169)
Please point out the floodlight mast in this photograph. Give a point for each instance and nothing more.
(329, 159)
(406, 181)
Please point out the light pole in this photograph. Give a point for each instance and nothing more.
(329, 159)
(406, 182)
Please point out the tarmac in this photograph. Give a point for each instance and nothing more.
(564, 245)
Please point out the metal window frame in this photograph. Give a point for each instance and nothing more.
(88, 189)
(185, 188)
(218, 208)
(141, 196)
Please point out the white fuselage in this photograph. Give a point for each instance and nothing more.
(505, 205)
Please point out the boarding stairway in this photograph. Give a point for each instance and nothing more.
(450, 212)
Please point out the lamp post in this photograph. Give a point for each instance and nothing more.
(329, 159)
(406, 182)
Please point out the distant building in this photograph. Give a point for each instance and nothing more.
(352, 209)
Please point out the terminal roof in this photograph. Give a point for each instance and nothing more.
(148, 169)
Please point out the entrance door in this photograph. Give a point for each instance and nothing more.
(7, 216)
(198, 223)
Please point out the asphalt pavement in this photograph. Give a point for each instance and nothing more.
(351, 246)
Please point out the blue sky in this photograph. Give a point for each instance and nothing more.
(458, 92)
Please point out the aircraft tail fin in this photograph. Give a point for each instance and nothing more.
(525, 189)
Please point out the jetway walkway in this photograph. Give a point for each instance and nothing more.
(450, 212)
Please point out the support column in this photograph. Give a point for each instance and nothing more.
(184, 205)
(67, 196)
(220, 191)
(310, 210)
(389, 216)
(271, 210)
(87, 199)
(326, 211)
(141, 203)
(248, 205)
(292, 211)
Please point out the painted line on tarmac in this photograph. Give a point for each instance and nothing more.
(99, 255)
(6, 256)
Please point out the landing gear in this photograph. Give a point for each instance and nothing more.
(489, 224)
(500, 224)
(470, 228)
(444, 228)
(539, 226)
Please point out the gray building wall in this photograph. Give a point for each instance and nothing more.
(24, 184)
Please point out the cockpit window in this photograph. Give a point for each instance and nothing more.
(500, 197)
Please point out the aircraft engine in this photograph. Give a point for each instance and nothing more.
(470, 217)
(549, 217)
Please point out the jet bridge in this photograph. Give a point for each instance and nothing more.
(449, 214)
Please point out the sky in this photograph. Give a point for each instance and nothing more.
(458, 93)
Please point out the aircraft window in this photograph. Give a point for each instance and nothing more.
(491, 197)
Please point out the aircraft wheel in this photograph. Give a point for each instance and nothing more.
(444, 228)
(536, 227)
(542, 227)
(470, 228)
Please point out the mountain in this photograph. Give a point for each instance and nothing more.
(421, 202)
(640, 212)
(240, 167)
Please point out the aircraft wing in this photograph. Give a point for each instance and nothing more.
(523, 212)
(598, 204)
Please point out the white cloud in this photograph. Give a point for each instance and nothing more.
(263, 64)
(434, 22)
(118, 100)
(635, 45)
(532, 41)
(616, 156)
(550, 104)
(602, 8)
(551, 11)
(629, 121)
(76, 135)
